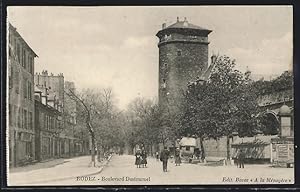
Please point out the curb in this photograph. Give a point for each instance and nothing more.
(101, 168)
(71, 177)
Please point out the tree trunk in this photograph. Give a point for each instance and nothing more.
(228, 147)
(202, 149)
(151, 152)
(93, 149)
(98, 152)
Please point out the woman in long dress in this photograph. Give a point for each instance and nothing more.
(138, 158)
(144, 158)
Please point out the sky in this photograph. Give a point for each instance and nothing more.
(99, 47)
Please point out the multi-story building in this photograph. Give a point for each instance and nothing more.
(20, 99)
(79, 145)
(48, 125)
(70, 120)
(70, 105)
(58, 141)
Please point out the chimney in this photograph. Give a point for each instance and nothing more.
(177, 19)
(163, 25)
(213, 58)
(185, 22)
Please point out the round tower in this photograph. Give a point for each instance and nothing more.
(183, 56)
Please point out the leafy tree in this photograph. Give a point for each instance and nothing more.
(150, 123)
(222, 105)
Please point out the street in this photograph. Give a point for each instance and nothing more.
(122, 171)
(52, 171)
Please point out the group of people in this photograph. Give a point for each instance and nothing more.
(141, 158)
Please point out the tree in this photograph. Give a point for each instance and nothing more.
(97, 109)
(222, 105)
(149, 123)
(87, 103)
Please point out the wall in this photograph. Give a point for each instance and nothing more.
(178, 70)
(21, 99)
(215, 148)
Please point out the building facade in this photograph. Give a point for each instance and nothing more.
(70, 107)
(20, 99)
(183, 56)
(55, 121)
(54, 86)
(48, 125)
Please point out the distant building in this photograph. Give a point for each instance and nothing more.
(183, 56)
(53, 88)
(48, 125)
(21, 99)
(70, 111)
(53, 85)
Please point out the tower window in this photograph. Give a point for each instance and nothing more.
(164, 83)
(178, 53)
(166, 66)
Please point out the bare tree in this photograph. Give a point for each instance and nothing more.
(88, 110)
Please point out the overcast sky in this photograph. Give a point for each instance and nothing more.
(116, 46)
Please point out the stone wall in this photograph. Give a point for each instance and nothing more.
(180, 63)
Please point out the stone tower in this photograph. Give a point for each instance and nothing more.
(183, 56)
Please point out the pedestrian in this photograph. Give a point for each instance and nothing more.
(177, 157)
(157, 156)
(241, 158)
(144, 158)
(138, 158)
(237, 158)
(164, 156)
(202, 156)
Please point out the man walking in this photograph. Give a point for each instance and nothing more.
(241, 158)
(164, 156)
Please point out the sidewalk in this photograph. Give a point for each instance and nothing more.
(39, 165)
(70, 168)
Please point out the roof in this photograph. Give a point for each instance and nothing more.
(259, 140)
(284, 110)
(14, 29)
(187, 141)
(186, 25)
